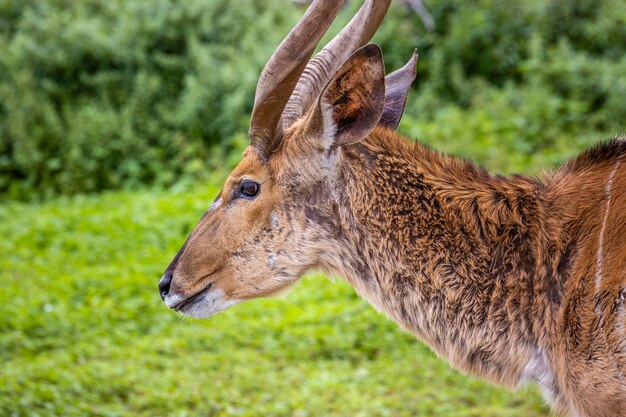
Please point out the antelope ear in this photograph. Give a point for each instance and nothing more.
(397, 85)
(352, 102)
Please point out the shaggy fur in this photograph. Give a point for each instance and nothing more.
(513, 279)
(502, 276)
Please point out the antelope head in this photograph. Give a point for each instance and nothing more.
(277, 215)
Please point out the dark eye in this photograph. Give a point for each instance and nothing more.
(249, 188)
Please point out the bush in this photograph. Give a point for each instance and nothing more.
(99, 94)
(107, 94)
(535, 81)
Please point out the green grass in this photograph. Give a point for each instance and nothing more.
(84, 332)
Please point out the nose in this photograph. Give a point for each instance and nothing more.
(164, 284)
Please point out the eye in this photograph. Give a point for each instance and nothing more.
(249, 188)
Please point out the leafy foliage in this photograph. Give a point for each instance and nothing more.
(98, 94)
(106, 94)
(535, 81)
(84, 332)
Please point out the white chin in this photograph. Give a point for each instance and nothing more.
(209, 305)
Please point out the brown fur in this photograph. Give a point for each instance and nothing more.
(513, 279)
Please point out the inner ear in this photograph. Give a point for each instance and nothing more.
(352, 102)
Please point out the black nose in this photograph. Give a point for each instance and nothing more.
(164, 284)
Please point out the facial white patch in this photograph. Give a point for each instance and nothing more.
(211, 303)
(271, 260)
(274, 219)
(215, 204)
(172, 300)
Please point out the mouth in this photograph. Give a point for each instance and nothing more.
(190, 300)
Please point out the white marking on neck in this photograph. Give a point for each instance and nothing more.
(538, 370)
(599, 260)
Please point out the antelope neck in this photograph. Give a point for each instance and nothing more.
(448, 252)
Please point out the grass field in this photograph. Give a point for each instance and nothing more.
(84, 332)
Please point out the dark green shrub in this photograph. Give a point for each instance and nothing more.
(98, 94)
(535, 81)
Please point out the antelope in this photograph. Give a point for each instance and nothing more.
(514, 279)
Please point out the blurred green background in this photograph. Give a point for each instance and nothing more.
(120, 118)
